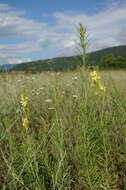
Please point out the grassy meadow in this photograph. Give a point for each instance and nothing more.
(67, 135)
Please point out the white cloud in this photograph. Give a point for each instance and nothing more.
(14, 25)
(18, 60)
(4, 7)
(19, 49)
(122, 35)
(105, 28)
(104, 43)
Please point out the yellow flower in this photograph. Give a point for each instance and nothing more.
(96, 81)
(94, 76)
(24, 100)
(25, 123)
(102, 88)
(25, 111)
(93, 73)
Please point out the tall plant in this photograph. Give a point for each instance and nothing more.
(83, 45)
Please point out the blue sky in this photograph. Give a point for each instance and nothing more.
(39, 29)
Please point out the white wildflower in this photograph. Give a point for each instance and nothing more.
(48, 100)
(74, 78)
(75, 96)
(51, 108)
(42, 88)
(37, 93)
(58, 73)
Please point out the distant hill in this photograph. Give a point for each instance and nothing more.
(6, 67)
(95, 57)
(69, 63)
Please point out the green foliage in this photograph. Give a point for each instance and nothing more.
(75, 140)
(111, 61)
(96, 57)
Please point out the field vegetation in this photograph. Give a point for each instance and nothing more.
(63, 131)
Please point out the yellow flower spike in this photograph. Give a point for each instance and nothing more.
(102, 88)
(24, 100)
(25, 123)
(96, 81)
(25, 111)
